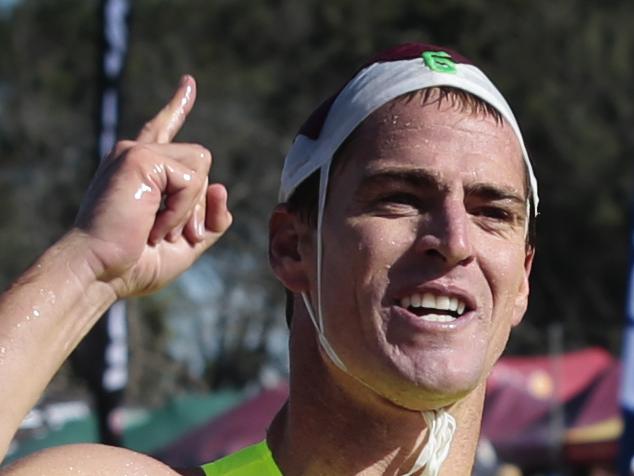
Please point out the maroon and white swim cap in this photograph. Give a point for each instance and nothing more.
(390, 74)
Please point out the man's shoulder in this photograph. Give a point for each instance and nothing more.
(91, 459)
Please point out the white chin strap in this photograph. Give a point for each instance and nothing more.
(441, 427)
(440, 424)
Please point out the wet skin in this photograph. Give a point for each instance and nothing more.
(428, 199)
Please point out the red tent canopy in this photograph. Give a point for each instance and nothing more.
(541, 410)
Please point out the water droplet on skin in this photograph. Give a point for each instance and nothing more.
(141, 191)
(180, 112)
(187, 177)
(187, 97)
(3, 350)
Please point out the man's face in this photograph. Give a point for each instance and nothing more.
(429, 205)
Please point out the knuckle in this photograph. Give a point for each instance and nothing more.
(198, 180)
(204, 155)
(121, 147)
(138, 154)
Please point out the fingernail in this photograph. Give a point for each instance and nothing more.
(200, 228)
(183, 80)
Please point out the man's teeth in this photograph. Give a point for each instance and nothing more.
(429, 301)
(438, 317)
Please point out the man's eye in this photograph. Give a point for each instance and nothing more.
(495, 213)
(400, 199)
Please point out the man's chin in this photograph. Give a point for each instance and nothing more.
(425, 396)
(436, 388)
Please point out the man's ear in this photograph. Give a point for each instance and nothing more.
(521, 301)
(287, 237)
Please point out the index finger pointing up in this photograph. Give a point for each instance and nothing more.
(166, 124)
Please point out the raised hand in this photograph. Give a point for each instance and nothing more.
(149, 211)
(148, 214)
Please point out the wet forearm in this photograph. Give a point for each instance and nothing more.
(43, 316)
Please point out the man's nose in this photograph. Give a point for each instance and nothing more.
(447, 234)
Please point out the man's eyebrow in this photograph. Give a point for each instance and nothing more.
(411, 177)
(424, 179)
(495, 193)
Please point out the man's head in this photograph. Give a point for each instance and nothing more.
(427, 201)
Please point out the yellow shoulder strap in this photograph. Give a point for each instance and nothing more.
(255, 460)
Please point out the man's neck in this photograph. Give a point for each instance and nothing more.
(334, 425)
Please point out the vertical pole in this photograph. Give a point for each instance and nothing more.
(102, 357)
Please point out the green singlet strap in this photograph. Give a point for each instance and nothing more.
(253, 460)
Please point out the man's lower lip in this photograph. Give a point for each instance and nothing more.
(432, 326)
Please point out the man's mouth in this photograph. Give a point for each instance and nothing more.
(434, 307)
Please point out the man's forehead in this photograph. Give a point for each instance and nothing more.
(432, 125)
(405, 111)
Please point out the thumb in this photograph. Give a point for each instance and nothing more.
(162, 128)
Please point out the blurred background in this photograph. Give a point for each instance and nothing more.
(215, 340)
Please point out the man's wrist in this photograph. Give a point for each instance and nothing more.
(73, 265)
